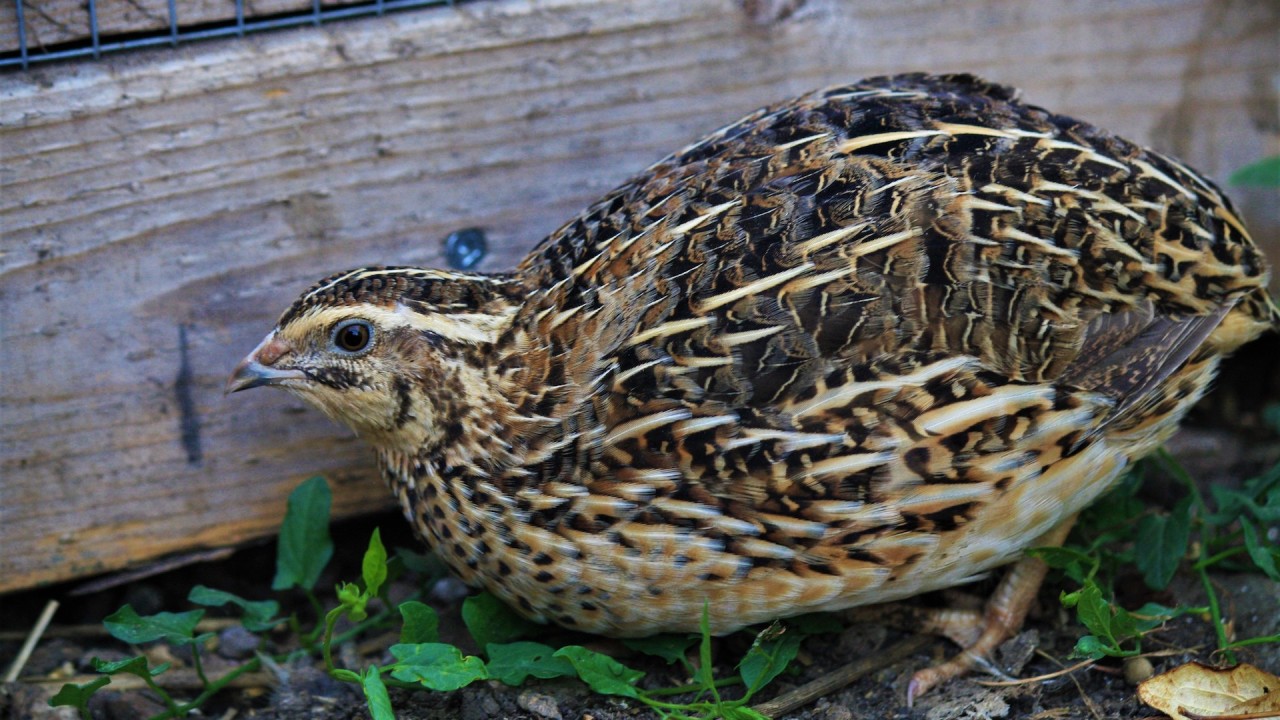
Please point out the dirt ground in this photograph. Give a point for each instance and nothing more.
(1224, 444)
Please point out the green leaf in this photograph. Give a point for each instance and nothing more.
(1090, 647)
(1071, 561)
(428, 564)
(257, 616)
(133, 666)
(421, 624)
(1124, 625)
(600, 672)
(375, 694)
(1161, 543)
(816, 624)
(353, 600)
(668, 646)
(705, 666)
(1263, 173)
(1271, 416)
(1261, 554)
(1152, 615)
(77, 696)
(179, 628)
(489, 620)
(1094, 612)
(374, 567)
(769, 655)
(513, 662)
(436, 665)
(305, 547)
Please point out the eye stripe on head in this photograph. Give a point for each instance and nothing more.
(463, 328)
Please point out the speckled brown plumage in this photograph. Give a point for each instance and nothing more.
(864, 344)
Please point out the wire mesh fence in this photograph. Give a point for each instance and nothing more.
(39, 31)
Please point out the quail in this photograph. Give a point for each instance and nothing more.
(864, 344)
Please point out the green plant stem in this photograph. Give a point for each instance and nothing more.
(1215, 613)
(169, 702)
(1253, 641)
(198, 665)
(317, 607)
(373, 619)
(210, 690)
(326, 646)
(1204, 563)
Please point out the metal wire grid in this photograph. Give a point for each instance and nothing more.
(95, 45)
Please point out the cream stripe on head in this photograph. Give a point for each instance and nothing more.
(473, 327)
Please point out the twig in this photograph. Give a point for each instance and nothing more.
(1039, 678)
(841, 677)
(34, 637)
(98, 630)
(171, 680)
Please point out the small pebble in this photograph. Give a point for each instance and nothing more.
(1137, 669)
(449, 590)
(540, 705)
(236, 643)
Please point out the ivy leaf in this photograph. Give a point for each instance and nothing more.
(1261, 553)
(1271, 416)
(374, 566)
(421, 624)
(1152, 615)
(353, 601)
(768, 657)
(258, 615)
(1161, 543)
(436, 665)
(305, 546)
(512, 663)
(1094, 613)
(77, 696)
(1071, 561)
(133, 666)
(1090, 647)
(179, 628)
(705, 667)
(668, 646)
(375, 694)
(600, 672)
(489, 620)
(816, 624)
(1263, 173)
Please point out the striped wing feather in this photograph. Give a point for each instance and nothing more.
(807, 353)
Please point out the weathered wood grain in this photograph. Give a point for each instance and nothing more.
(159, 209)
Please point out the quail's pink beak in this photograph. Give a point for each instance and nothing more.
(258, 367)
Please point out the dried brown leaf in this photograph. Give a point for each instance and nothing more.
(1194, 691)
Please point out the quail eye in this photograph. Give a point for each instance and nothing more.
(353, 336)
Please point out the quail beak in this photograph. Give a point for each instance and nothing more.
(257, 368)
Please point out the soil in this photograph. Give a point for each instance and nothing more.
(1225, 442)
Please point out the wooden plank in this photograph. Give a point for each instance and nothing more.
(160, 209)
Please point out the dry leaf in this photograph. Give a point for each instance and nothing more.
(1260, 707)
(1195, 690)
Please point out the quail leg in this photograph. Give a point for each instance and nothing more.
(981, 633)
